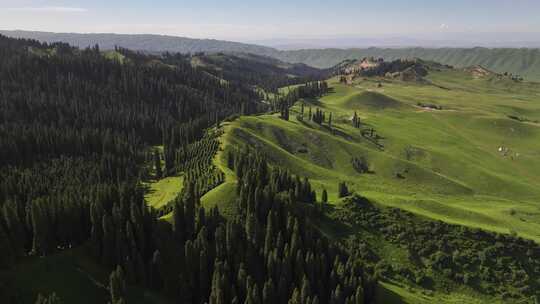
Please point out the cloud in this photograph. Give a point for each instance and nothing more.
(444, 26)
(49, 9)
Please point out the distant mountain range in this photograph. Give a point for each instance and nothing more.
(147, 43)
(522, 61)
(433, 40)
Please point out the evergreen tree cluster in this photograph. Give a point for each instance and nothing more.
(280, 180)
(284, 111)
(76, 130)
(496, 264)
(79, 103)
(51, 299)
(318, 116)
(47, 206)
(356, 121)
(253, 70)
(196, 161)
(269, 253)
(313, 89)
(343, 190)
(360, 164)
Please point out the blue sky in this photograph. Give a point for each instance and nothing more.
(258, 20)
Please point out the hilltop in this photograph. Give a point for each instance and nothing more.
(403, 69)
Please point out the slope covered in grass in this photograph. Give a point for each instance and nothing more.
(160, 192)
(467, 163)
(369, 100)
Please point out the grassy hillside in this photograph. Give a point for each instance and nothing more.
(467, 164)
(443, 164)
(161, 192)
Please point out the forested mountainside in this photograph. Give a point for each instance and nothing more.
(79, 128)
(523, 62)
(146, 43)
(266, 72)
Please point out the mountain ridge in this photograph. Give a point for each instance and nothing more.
(524, 62)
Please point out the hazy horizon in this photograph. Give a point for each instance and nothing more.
(493, 21)
(450, 40)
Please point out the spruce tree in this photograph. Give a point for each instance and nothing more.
(269, 296)
(330, 120)
(51, 299)
(343, 191)
(157, 164)
(7, 257)
(117, 285)
(43, 242)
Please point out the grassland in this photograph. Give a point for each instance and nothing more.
(160, 192)
(449, 159)
(466, 164)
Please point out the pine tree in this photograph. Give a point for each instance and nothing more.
(324, 196)
(217, 294)
(295, 297)
(305, 292)
(117, 285)
(7, 257)
(157, 164)
(343, 191)
(356, 121)
(15, 229)
(156, 280)
(268, 239)
(51, 299)
(359, 295)
(43, 242)
(108, 244)
(330, 120)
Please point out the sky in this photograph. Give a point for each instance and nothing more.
(253, 20)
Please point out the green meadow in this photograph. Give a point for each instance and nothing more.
(467, 163)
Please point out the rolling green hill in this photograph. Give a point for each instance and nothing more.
(467, 164)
